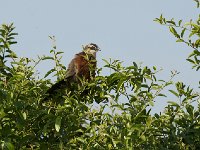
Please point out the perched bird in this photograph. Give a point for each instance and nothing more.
(81, 67)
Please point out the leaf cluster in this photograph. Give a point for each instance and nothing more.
(109, 112)
(188, 33)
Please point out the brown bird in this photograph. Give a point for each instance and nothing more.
(81, 67)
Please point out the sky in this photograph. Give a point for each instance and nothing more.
(124, 30)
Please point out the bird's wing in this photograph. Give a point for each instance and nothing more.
(72, 69)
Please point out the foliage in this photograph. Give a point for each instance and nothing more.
(114, 113)
(188, 33)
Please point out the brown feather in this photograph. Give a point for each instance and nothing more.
(82, 66)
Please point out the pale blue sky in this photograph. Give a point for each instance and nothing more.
(124, 30)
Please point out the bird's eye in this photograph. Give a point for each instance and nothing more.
(92, 47)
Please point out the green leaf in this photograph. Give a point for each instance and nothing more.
(160, 20)
(179, 23)
(196, 60)
(173, 92)
(180, 40)
(190, 60)
(148, 121)
(106, 61)
(182, 32)
(47, 57)
(197, 52)
(49, 72)
(198, 3)
(12, 42)
(154, 68)
(135, 64)
(11, 34)
(197, 43)
(151, 103)
(59, 53)
(121, 82)
(190, 109)
(191, 34)
(24, 115)
(171, 22)
(163, 95)
(197, 68)
(172, 30)
(144, 86)
(9, 146)
(143, 137)
(58, 123)
(157, 116)
(192, 54)
(173, 103)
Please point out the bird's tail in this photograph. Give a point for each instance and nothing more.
(53, 90)
(56, 86)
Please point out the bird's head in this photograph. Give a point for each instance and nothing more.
(91, 49)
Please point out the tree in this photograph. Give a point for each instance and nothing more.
(123, 119)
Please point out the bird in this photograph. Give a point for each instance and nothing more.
(82, 67)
